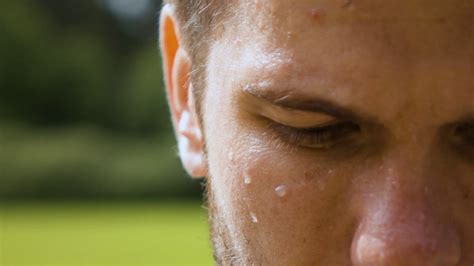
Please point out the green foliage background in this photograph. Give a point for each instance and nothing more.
(89, 173)
(82, 105)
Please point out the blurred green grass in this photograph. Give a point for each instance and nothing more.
(80, 162)
(96, 234)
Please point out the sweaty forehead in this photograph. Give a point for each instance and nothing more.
(286, 19)
(356, 49)
(360, 9)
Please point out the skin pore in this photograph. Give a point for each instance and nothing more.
(333, 132)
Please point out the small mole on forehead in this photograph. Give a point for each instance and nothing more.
(317, 13)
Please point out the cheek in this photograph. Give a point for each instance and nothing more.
(276, 200)
(273, 200)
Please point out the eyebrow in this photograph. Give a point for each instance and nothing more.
(286, 99)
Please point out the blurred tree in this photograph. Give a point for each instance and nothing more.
(82, 106)
(65, 62)
(141, 105)
(48, 78)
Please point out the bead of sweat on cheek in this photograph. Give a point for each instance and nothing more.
(253, 218)
(247, 179)
(281, 191)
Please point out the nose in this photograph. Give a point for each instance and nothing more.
(392, 233)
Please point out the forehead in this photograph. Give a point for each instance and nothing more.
(355, 50)
(416, 29)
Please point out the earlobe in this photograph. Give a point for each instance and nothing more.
(190, 145)
(190, 140)
(176, 67)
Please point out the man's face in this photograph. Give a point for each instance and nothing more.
(341, 133)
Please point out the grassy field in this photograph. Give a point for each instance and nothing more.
(104, 234)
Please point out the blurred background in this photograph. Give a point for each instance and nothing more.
(88, 168)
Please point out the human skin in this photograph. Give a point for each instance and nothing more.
(394, 188)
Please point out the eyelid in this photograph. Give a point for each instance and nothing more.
(323, 137)
(295, 118)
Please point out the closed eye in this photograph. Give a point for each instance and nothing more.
(319, 137)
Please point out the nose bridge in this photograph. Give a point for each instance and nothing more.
(406, 174)
(399, 224)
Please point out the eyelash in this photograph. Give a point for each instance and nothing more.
(466, 132)
(329, 136)
(464, 139)
(320, 137)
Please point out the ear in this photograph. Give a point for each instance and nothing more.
(176, 68)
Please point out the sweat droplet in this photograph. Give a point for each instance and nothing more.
(247, 180)
(281, 191)
(253, 217)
